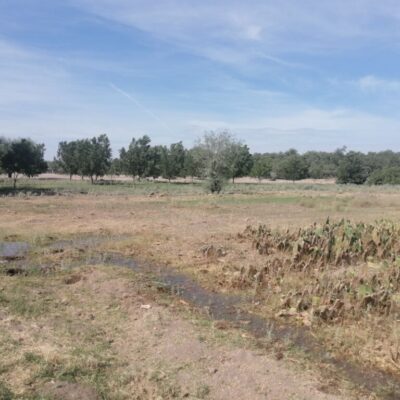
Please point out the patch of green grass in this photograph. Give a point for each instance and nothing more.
(38, 187)
(91, 367)
(21, 300)
(33, 358)
(6, 393)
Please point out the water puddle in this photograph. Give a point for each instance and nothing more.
(13, 250)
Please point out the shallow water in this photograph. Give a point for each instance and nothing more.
(13, 250)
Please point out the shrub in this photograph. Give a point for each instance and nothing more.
(385, 176)
(215, 183)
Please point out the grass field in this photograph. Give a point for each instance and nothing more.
(70, 322)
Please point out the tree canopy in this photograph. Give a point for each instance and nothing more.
(86, 157)
(352, 169)
(22, 157)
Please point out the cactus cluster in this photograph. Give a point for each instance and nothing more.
(341, 269)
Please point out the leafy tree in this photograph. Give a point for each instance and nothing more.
(221, 156)
(154, 161)
(238, 160)
(4, 143)
(67, 157)
(321, 164)
(352, 169)
(292, 167)
(262, 167)
(115, 168)
(23, 156)
(173, 161)
(99, 160)
(83, 157)
(195, 162)
(136, 159)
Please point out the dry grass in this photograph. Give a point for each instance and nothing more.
(168, 229)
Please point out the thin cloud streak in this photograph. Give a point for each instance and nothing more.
(139, 105)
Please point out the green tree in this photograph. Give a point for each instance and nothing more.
(353, 169)
(23, 156)
(67, 157)
(195, 163)
(83, 148)
(100, 157)
(238, 160)
(173, 161)
(292, 166)
(221, 156)
(115, 168)
(136, 159)
(321, 164)
(262, 167)
(4, 143)
(154, 161)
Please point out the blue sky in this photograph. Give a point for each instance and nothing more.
(310, 74)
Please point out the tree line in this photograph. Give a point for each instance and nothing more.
(215, 157)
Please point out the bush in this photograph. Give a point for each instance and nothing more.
(385, 176)
(215, 184)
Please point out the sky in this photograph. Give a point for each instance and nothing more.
(310, 74)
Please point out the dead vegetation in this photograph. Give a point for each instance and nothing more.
(338, 273)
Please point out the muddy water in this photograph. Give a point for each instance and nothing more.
(13, 250)
(227, 307)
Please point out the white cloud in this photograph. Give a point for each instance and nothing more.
(370, 83)
(273, 27)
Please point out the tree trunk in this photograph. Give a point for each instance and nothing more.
(15, 182)
(233, 179)
(70, 177)
(91, 179)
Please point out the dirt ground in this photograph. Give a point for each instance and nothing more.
(110, 334)
(151, 349)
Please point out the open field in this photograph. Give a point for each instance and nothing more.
(70, 315)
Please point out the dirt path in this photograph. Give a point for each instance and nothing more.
(157, 344)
